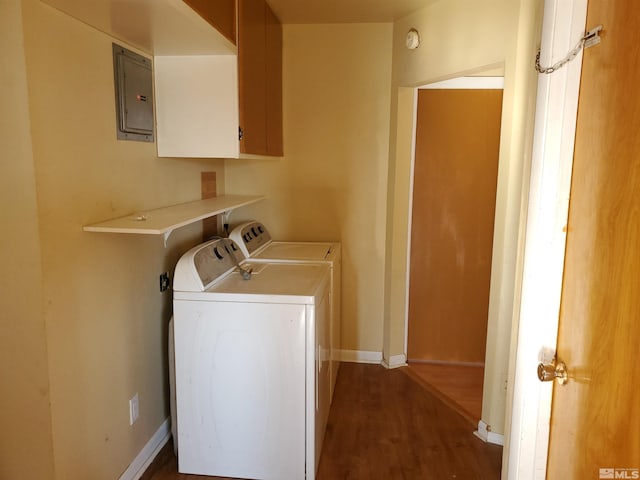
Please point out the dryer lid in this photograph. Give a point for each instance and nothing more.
(296, 251)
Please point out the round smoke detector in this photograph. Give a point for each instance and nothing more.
(413, 39)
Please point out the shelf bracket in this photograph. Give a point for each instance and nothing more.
(166, 236)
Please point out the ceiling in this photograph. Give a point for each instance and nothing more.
(344, 11)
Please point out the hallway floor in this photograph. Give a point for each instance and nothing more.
(383, 424)
(460, 386)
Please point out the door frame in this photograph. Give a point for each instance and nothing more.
(529, 407)
(492, 81)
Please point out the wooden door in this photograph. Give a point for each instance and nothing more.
(455, 173)
(595, 419)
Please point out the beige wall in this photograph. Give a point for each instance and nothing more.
(331, 183)
(461, 38)
(105, 317)
(92, 331)
(26, 448)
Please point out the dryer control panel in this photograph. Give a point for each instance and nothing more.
(251, 235)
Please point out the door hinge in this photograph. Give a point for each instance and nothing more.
(240, 133)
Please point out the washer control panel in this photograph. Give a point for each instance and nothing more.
(204, 264)
(216, 258)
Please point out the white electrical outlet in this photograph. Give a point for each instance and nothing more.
(134, 409)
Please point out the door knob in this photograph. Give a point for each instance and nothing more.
(556, 370)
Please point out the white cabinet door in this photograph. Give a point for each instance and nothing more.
(197, 106)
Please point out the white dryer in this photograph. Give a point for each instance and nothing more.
(256, 243)
(250, 381)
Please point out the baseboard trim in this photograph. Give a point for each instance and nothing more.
(446, 362)
(148, 453)
(395, 361)
(360, 356)
(485, 434)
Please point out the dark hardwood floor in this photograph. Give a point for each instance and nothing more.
(384, 425)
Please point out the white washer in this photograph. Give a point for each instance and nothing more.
(250, 379)
(254, 240)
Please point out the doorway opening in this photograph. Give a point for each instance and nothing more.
(454, 180)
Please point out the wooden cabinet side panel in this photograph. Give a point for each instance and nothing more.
(220, 14)
(252, 75)
(274, 84)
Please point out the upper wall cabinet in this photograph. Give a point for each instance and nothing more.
(217, 106)
(260, 78)
(206, 88)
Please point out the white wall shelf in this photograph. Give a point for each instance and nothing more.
(163, 221)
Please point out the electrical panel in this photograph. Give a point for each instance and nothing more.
(134, 95)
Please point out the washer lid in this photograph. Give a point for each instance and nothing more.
(274, 279)
(294, 283)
